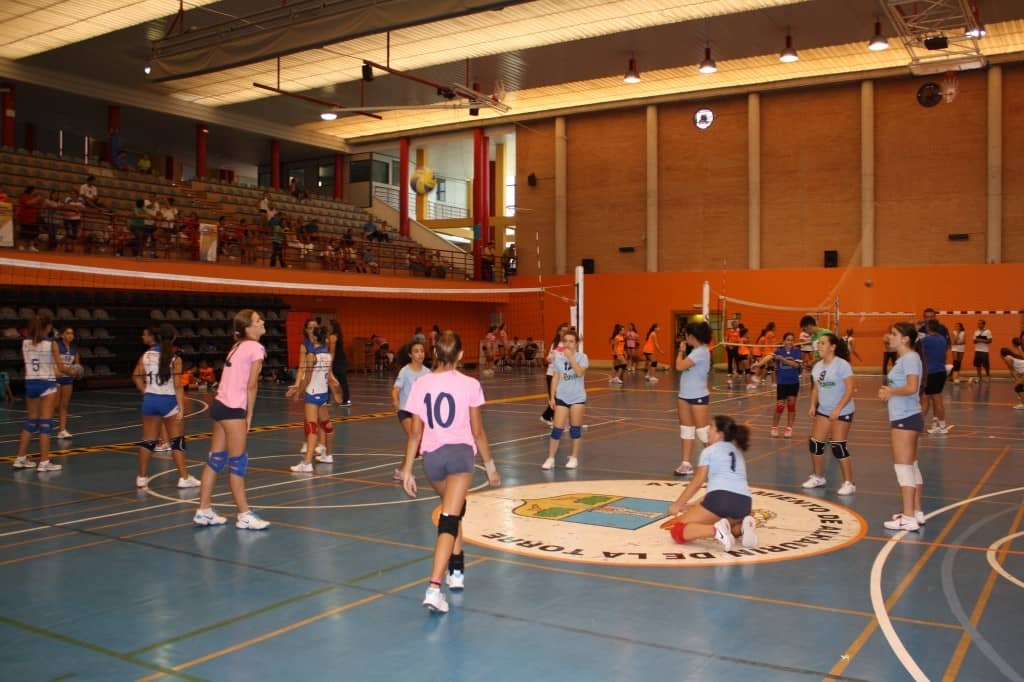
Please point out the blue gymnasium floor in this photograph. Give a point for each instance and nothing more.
(104, 582)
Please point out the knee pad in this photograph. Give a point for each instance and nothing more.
(904, 475)
(217, 461)
(654, 363)
(678, 532)
(46, 426)
(780, 407)
(839, 450)
(238, 465)
(448, 524)
(791, 405)
(703, 433)
(815, 447)
(556, 433)
(1018, 388)
(918, 478)
(148, 445)
(687, 432)
(311, 428)
(327, 426)
(31, 425)
(576, 432)
(178, 443)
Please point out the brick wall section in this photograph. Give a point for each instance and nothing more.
(1013, 164)
(703, 187)
(606, 180)
(810, 176)
(535, 153)
(930, 177)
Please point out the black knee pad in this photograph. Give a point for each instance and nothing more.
(178, 443)
(815, 447)
(839, 450)
(1019, 388)
(448, 524)
(148, 445)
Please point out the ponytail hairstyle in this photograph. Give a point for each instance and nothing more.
(320, 335)
(39, 326)
(651, 330)
(737, 434)
(558, 333)
(615, 331)
(907, 329)
(842, 350)
(165, 335)
(700, 331)
(241, 320)
(448, 348)
(336, 329)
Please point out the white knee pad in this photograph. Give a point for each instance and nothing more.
(702, 433)
(918, 479)
(905, 475)
(687, 432)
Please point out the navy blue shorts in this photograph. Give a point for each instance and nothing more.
(914, 422)
(403, 415)
(561, 403)
(727, 504)
(447, 460)
(934, 382)
(219, 412)
(703, 400)
(783, 391)
(842, 417)
(65, 381)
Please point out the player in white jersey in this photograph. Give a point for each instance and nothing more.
(157, 375)
(1014, 359)
(42, 365)
(314, 385)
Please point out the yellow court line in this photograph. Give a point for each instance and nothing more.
(953, 669)
(862, 639)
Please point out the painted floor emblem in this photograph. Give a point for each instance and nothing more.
(618, 522)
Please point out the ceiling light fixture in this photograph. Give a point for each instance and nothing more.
(632, 73)
(789, 54)
(708, 64)
(976, 29)
(146, 69)
(328, 116)
(879, 41)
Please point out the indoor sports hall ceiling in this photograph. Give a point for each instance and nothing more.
(549, 55)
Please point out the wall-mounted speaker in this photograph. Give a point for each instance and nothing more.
(831, 259)
(588, 266)
(531, 179)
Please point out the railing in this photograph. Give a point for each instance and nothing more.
(436, 210)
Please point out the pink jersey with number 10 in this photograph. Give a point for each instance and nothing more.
(442, 400)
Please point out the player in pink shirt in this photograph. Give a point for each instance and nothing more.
(445, 407)
(231, 411)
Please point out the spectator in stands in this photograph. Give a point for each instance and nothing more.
(487, 263)
(137, 224)
(145, 165)
(509, 261)
(370, 231)
(52, 217)
(265, 208)
(227, 237)
(90, 193)
(348, 239)
(247, 242)
(329, 256)
(73, 207)
(370, 261)
(3, 195)
(277, 239)
(297, 190)
(122, 163)
(29, 204)
(152, 208)
(308, 232)
(190, 232)
(415, 262)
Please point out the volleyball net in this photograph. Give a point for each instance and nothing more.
(757, 317)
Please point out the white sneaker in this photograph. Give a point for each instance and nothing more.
(847, 488)
(162, 446)
(63, 433)
(652, 380)
(208, 517)
(435, 601)
(303, 449)
(190, 482)
(546, 421)
(919, 517)
(549, 463)
(749, 532)
(456, 580)
(302, 468)
(901, 522)
(320, 450)
(1019, 406)
(684, 469)
(48, 465)
(325, 458)
(615, 380)
(141, 481)
(775, 432)
(814, 482)
(723, 533)
(250, 521)
(24, 463)
(571, 463)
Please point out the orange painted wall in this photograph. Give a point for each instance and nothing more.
(535, 205)
(1013, 164)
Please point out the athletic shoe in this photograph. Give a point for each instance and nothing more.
(325, 459)
(615, 380)
(63, 433)
(320, 450)
(547, 421)
(456, 580)
(303, 449)
(652, 380)
(775, 432)
(302, 468)
(24, 463)
(190, 482)
(571, 463)
(935, 428)
(847, 488)
(814, 482)
(684, 469)
(749, 526)
(162, 446)
(250, 521)
(208, 517)
(549, 463)
(723, 533)
(49, 466)
(919, 517)
(788, 433)
(435, 601)
(141, 481)
(1019, 406)
(901, 522)
(347, 403)
(752, 387)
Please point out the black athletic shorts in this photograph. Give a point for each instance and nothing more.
(727, 504)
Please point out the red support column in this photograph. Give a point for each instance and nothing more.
(275, 164)
(8, 107)
(201, 134)
(339, 177)
(403, 186)
(114, 131)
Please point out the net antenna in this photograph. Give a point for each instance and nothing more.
(950, 87)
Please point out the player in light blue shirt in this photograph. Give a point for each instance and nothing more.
(407, 376)
(902, 394)
(831, 410)
(568, 398)
(724, 512)
(694, 395)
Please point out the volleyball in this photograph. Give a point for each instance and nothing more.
(869, 283)
(487, 373)
(76, 370)
(423, 181)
